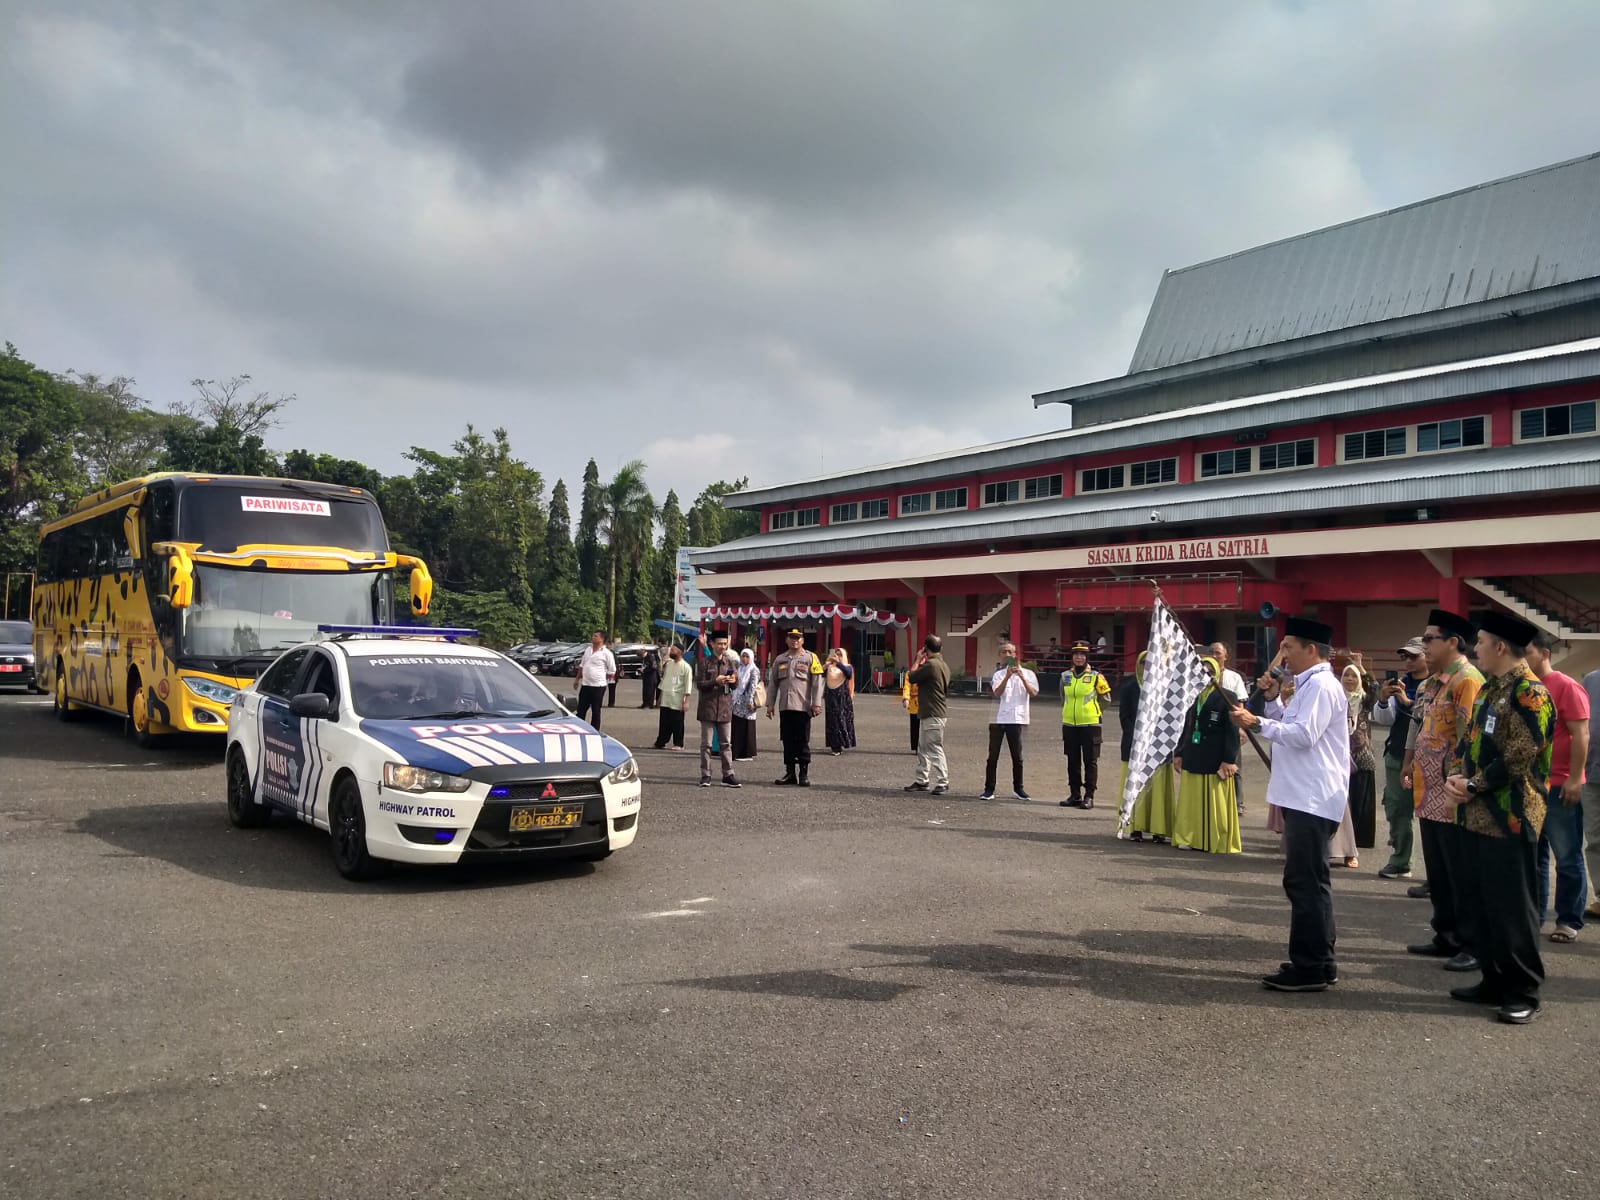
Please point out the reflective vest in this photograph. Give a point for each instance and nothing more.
(1080, 697)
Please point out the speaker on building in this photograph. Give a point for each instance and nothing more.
(1269, 610)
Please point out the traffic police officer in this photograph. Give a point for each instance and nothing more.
(794, 691)
(1083, 695)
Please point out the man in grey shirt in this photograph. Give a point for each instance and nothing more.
(1590, 792)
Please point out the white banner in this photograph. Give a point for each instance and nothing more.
(1173, 678)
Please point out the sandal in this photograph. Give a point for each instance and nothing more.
(1352, 863)
(1564, 934)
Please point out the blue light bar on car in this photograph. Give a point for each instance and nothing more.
(413, 631)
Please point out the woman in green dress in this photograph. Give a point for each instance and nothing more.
(1207, 814)
(1152, 810)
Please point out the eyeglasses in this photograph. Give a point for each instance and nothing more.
(1434, 637)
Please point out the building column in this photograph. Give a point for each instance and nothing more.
(969, 652)
(1453, 594)
(923, 625)
(837, 629)
(1019, 623)
(1135, 638)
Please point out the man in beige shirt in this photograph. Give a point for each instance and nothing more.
(794, 692)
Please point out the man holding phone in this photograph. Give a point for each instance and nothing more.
(1397, 701)
(1013, 686)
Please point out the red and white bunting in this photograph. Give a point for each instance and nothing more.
(804, 612)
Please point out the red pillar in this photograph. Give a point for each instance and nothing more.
(1019, 623)
(924, 622)
(836, 629)
(1453, 595)
(1337, 617)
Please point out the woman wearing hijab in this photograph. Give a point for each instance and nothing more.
(1360, 813)
(838, 699)
(745, 707)
(1206, 816)
(1152, 809)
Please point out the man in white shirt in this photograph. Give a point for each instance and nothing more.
(596, 669)
(1013, 686)
(1311, 784)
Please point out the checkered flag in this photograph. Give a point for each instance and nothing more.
(1174, 676)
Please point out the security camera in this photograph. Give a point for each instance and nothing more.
(1157, 517)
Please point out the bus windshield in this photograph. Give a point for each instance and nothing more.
(242, 613)
(223, 517)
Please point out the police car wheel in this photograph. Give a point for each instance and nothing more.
(347, 822)
(243, 811)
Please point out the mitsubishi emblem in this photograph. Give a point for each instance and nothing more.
(549, 792)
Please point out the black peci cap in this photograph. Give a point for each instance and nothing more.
(1448, 622)
(1513, 631)
(1308, 630)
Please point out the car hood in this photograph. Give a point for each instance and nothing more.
(453, 747)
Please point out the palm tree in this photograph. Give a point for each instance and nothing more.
(627, 517)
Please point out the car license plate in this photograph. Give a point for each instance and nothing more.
(10, 669)
(545, 816)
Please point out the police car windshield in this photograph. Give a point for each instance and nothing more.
(416, 687)
(243, 613)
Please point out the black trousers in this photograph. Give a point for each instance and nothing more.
(611, 692)
(1504, 913)
(647, 686)
(1305, 881)
(794, 730)
(914, 727)
(670, 727)
(744, 737)
(590, 698)
(1011, 735)
(1442, 859)
(1081, 745)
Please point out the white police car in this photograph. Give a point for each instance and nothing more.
(411, 747)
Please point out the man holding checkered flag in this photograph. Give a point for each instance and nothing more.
(1173, 677)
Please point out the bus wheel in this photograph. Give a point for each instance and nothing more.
(347, 822)
(139, 715)
(243, 810)
(63, 706)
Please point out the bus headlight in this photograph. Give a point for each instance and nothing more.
(210, 689)
(626, 773)
(405, 778)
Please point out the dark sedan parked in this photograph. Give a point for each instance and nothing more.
(16, 656)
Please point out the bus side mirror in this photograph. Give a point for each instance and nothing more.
(421, 590)
(180, 580)
(130, 531)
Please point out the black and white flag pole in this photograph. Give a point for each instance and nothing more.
(1173, 678)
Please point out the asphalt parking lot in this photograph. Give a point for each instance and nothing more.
(839, 992)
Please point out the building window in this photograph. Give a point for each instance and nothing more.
(1148, 474)
(910, 506)
(842, 513)
(865, 510)
(1375, 443)
(1450, 435)
(1557, 420)
(1041, 487)
(1002, 493)
(950, 498)
(1281, 456)
(872, 510)
(1101, 479)
(1225, 462)
(796, 518)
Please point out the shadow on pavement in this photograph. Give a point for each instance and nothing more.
(97, 741)
(285, 856)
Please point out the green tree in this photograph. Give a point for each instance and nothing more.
(627, 516)
(40, 472)
(327, 468)
(561, 559)
(711, 524)
(664, 573)
(220, 429)
(120, 437)
(588, 542)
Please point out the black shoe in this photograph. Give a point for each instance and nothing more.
(1020, 794)
(1419, 891)
(1088, 802)
(915, 787)
(1433, 948)
(730, 781)
(1478, 993)
(1329, 972)
(1073, 802)
(705, 782)
(986, 794)
(787, 781)
(1136, 836)
(1393, 872)
(938, 791)
(1463, 962)
(1518, 1012)
(805, 775)
(1295, 980)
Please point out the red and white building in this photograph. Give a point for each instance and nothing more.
(1358, 423)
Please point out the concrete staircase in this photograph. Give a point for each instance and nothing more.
(1582, 650)
(991, 614)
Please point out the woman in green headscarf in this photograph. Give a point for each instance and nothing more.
(1152, 810)
(1207, 815)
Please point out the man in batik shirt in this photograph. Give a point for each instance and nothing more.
(1445, 701)
(1500, 792)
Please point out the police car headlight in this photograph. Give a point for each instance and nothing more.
(210, 689)
(626, 773)
(405, 778)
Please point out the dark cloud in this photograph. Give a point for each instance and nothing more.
(836, 233)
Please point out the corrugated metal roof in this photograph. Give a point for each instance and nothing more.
(1543, 367)
(1503, 238)
(1472, 474)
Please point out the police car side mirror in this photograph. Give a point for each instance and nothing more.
(311, 704)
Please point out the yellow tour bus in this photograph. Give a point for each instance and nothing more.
(159, 598)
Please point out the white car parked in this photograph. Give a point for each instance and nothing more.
(410, 747)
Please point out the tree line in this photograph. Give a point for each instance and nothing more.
(505, 554)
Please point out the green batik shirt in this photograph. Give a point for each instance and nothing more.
(1506, 754)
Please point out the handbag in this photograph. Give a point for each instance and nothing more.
(758, 697)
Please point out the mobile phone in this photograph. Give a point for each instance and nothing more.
(1011, 660)
(1392, 676)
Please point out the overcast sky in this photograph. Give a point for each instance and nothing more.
(725, 236)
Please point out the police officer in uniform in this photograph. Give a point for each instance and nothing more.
(794, 692)
(1083, 695)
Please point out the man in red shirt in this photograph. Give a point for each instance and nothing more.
(1563, 822)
